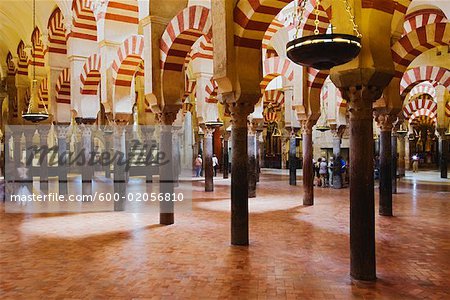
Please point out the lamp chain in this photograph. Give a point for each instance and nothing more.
(316, 21)
(348, 8)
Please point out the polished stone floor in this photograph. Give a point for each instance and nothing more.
(295, 252)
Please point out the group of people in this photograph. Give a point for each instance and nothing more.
(325, 171)
(198, 165)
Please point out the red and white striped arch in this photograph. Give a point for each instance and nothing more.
(419, 74)
(181, 33)
(411, 45)
(252, 18)
(447, 109)
(189, 87)
(37, 50)
(211, 92)
(128, 58)
(22, 68)
(10, 65)
(316, 78)
(205, 49)
(421, 18)
(63, 87)
(271, 31)
(422, 114)
(90, 75)
(274, 97)
(418, 104)
(56, 33)
(84, 23)
(43, 93)
(120, 11)
(423, 88)
(274, 67)
(271, 116)
(422, 121)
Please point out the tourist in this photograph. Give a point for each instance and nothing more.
(415, 163)
(323, 172)
(215, 163)
(198, 165)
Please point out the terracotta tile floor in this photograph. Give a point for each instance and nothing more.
(296, 252)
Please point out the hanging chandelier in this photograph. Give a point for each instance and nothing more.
(29, 115)
(324, 51)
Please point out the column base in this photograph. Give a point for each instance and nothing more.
(166, 218)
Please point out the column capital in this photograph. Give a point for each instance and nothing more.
(307, 126)
(385, 121)
(167, 118)
(239, 113)
(360, 100)
(209, 131)
(337, 131)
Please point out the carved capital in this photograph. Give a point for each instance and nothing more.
(307, 126)
(337, 131)
(239, 113)
(209, 131)
(167, 118)
(385, 121)
(360, 100)
(62, 131)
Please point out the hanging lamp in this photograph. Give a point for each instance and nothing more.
(402, 130)
(276, 132)
(324, 51)
(29, 115)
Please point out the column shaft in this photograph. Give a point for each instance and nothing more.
(401, 155)
(394, 162)
(443, 156)
(308, 171)
(207, 160)
(251, 163)
(385, 208)
(292, 161)
(225, 158)
(362, 203)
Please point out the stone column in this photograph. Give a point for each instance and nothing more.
(259, 150)
(108, 143)
(29, 155)
(166, 214)
(251, 160)
(362, 206)
(207, 158)
(284, 140)
(43, 168)
(87, 171)
(119, 167)
(443, 147)
(385, 123)
(401, 154)
(225, 137)
(394, 137)
(308, 170)
(337, 133)
(239, 168)
(292, 160)
(62, 159)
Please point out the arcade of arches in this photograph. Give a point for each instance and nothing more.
(217, 72)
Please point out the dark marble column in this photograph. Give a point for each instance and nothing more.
(119, 168)
(443, 147)
(401, 154)
(43, 168)
(207, 158)
(251, 160)
(62, 159)
(394, 160)
(385, 123)
(225, 158)
(362, 204)
(292, 160)
(259, 149)
(167, 208)
(308, 170)
(239, 170)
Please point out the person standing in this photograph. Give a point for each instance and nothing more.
(330, 171)
(215, 163)
(198, 165)
(323, 171)
(415, 163)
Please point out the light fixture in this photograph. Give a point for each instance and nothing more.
(298, 135)
(217, 123)
(323, 128)
(324, 51)
(29, 115)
